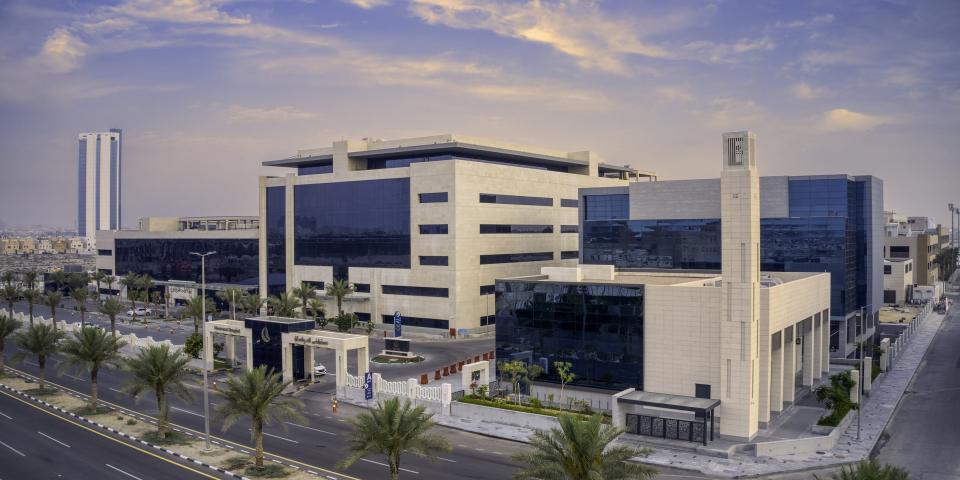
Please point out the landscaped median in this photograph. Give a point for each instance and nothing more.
(183, 443)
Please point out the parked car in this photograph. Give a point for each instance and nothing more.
(140, 312)
(319, 370)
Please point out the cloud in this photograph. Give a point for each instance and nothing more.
(574, 28)
(805, 91)
(817, 21)
(62, 51)
(733, 114)
(713, 52)
(841, 119)
(239, 113)
(674, 94)
(179, 11)
(368, 4)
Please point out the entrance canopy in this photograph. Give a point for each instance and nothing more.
(673, 402)
(644, 422)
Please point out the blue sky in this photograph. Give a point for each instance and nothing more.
(205, 89)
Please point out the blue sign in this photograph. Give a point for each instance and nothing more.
(397, 324)
(368, 386)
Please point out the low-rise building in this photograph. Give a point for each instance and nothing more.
(897, 281)
(922, 248)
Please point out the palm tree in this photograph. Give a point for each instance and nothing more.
(318, 309)
(111, 307)
(30, 279)
(131, 281)
(232, 297)
(194, 308)
(40, 340)
(252, 303)
(52, 300)
(392, 428)
(8, 277)
(90, 349)
(162, 371)
(10, 294)
(285, 305)
(257, 394)
(58, 277)
(32, 297)
(110, 280)
(339, 288)
(8, 325)
(870, 470)
(305, 292)
(580, 450)
(98, 277)
(79, 296)
(155, 300)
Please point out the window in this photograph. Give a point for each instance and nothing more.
(236, 261)
(488, 320)
(899, 251)
(702, 391)
(606, 207)
(432, 260)
(276, 240)
(515, 200)
(414, 291)
(315, 169)
(569, 228)
(569, 202)
(418, 322)
(889, 296)
(362, 316)
(361, 287)
(320, 286)
(503, 228)
(488, 289)
(104, 253)
(105, 271)
(438, 197)
(433, 229)
(569, 254)
(515, 257)
(887, 270)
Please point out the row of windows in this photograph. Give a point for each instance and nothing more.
(515, 257)
(516, 200)
(104, 253)
(488, 289)
(434, 229)
(485, 228)
(418, 322)
(569, 254)
(434, 260)
(488, 320)
(606, 207)
(315, 169)
(437, 197)
(415, 291)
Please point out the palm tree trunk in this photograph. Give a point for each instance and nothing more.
(3, 365)
(113, 325)
(394, 466)
(83, 318)
(258, 443)
(340, 305)
(30, 306)
(93, 390)
(42, 363)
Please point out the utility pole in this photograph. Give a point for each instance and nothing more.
(203, 309)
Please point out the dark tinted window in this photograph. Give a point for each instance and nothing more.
(569, 202)
(569, 254)
(105, 253)
(363, 317)
(353, 224)
(433, 229)
(434, 260)
(515, 200)
(418, 322)
(552, 322)
(169, 259)
(276, 240)
(701, 390)
(569, 228)
(315, 169)
(502, 228)
(487, 289)
(606, 207)
(887, 270)
(899, 252)
(515, 257)
(414, 291)
(320, 286)
(105, 271)
(488, 320)
(361, 287)
(438, 197)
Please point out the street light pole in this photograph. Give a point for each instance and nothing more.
(863, 332)
(203, 310)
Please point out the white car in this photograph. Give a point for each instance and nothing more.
(319, 370)
(140, 312)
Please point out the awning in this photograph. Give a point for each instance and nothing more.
(673, 402)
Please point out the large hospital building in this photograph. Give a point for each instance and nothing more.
(423, 226)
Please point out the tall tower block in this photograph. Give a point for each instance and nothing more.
(740, 289)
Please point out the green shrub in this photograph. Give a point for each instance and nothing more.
(193, 345)
(535, 403)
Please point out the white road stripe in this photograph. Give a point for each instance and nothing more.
(115, 390)
(278, 436)
(18, 452)
(388, 466)
(8, 417)
(54, 439)
(74, 377)
(310, 428)
(121, 471)
(187, 411)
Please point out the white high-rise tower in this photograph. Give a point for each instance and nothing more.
(740, 290)
(98, 185)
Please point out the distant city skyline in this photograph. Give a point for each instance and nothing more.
(205, 90)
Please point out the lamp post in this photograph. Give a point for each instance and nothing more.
(203, 310)
(863, 331)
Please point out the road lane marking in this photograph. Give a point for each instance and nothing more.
(278, 436)
(18, 452)
(108, 437)
(388, 466)
(310, 428)
(115, 390)
(74, 377)
(8, 417)
(187, 411)
(54, 439)
(121, 471)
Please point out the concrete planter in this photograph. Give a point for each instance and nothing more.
(502, 416)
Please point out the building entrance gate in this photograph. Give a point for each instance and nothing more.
(341, 343)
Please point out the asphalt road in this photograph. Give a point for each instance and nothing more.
(925, 429)
(39, 444)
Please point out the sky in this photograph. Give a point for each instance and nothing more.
(206, 90)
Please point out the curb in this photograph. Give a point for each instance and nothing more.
(118, 432)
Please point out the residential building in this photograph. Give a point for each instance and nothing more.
(423, 226)
(685, 349)
(162, 249)
(99, 183)
(897, 281)
(922, 248)
(823, 223)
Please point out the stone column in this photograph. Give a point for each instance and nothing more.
(308, 362)
(230, 347)
(885, 355)
(776, 373)
(340, 364)
(808, 352)
(817, 351)
(867, 374)
(363, 361)
(826, 323)
(249, 341)
(855, 389)
(789, 364)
